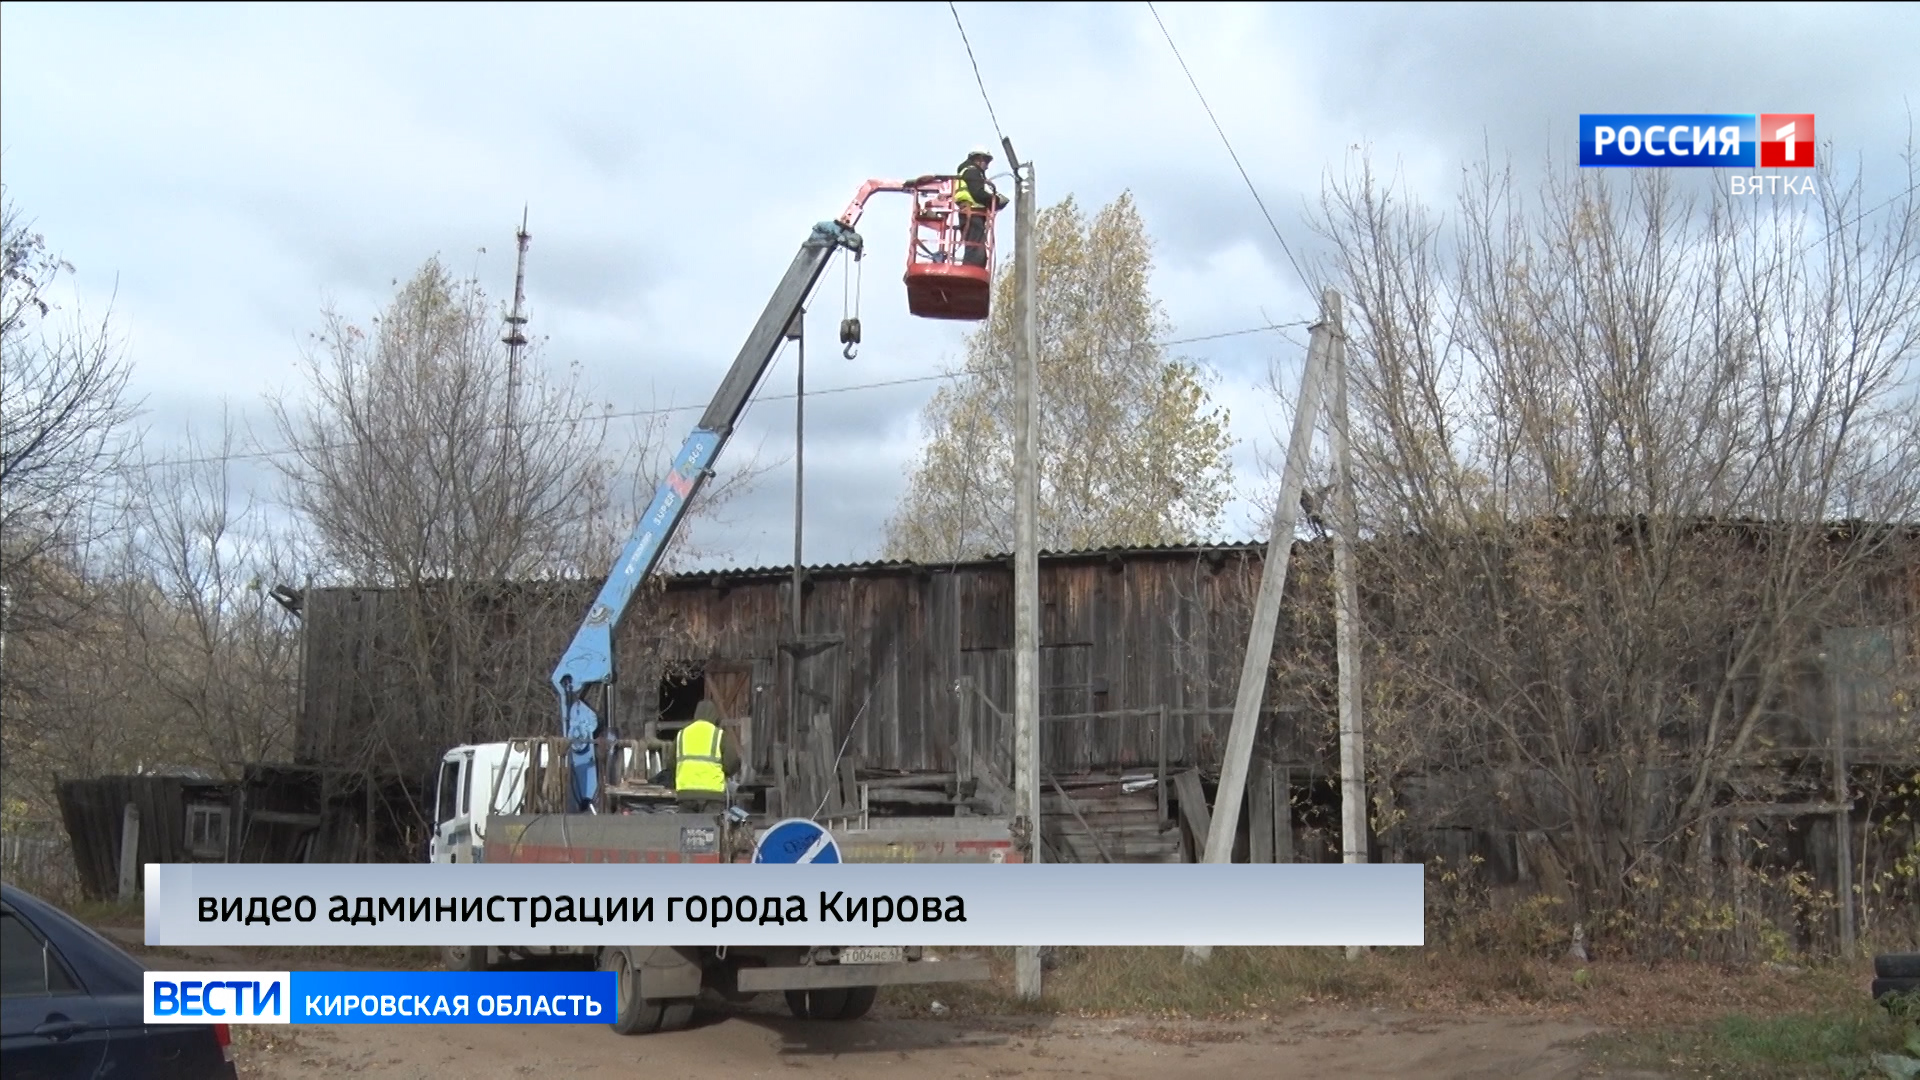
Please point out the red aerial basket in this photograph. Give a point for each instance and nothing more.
(949, 255)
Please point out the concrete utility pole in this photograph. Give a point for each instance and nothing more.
(1353, 777)
(797, 333)
(1266, 612)
(1026, 561)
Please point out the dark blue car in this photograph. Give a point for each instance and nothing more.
(70, 1006)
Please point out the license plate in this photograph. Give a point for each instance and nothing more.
(873, 954)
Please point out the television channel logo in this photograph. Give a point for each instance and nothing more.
(1696, 140)
(218, 997)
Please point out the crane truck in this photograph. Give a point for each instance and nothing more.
(495, 801)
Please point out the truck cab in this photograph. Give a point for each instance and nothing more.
(482, 780)
(476, 781)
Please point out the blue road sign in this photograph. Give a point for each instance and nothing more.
(796, 840)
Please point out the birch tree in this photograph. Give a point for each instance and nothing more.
(1131, 450)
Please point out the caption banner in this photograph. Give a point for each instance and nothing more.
(380, 997)
(936, 904)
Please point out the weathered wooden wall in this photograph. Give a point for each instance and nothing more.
(94, 813)
(899, 657)
(889, 653)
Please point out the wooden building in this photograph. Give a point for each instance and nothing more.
(902, 675)
(895, 694)
(273, 813)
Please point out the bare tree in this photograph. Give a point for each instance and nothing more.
(1601, 441)
(216, 652)
(63, 415)
(491, 534)
(172, 654)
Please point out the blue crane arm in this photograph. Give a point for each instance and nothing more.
(589, 660)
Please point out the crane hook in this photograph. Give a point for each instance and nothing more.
(851, 280)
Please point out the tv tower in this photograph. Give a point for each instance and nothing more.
(516, 336)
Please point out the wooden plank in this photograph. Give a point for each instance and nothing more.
(1260, 815)
(129, 853)
(1193, 808)
(1283, 815)
(283, 817)
(849, 788)
(993, 786)
(963, 736)
(907, 797)
(1104, 857)
(1160, 763)
(929, 782)
(1145, 850)
(1126, 833)
(819, 765)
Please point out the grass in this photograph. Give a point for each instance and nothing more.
(105, 912)
(1242, 983)
(1836, 1044)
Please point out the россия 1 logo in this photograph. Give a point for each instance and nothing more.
(1696, 140)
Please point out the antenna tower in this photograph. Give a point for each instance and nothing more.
(516, 336)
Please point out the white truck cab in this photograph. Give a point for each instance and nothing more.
(475, 780)
(479, 780)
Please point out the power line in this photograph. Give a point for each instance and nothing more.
(978, 81)
(1236, 157)
(631, 414)
(1864, 214)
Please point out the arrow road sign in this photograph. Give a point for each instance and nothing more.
(796, 840)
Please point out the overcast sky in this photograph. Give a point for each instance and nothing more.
(224, 171)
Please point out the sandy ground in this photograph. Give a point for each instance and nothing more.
(760, 1043)
(762, 1040)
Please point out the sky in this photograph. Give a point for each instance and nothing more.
(221, 173)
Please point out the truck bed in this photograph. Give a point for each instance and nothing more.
(678, 838)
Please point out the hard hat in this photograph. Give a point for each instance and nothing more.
(980, 151)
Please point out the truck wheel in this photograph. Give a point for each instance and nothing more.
(816, 1004)
(676, 1015)
(633, 1014)
(839, 1003)
(465, 957)
(859, 1000)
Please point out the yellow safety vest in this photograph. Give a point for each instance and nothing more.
(961, 194)
(697, 766)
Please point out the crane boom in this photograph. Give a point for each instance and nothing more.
(589, 660)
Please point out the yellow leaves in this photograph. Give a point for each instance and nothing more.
(1130, 450)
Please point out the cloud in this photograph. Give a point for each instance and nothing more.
(230, 170)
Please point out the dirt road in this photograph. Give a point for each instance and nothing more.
(762, 1043)
(762, 1040)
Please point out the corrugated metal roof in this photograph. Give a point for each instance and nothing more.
(706, 573)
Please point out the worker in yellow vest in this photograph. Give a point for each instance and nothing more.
(704, 759)
(974, 193)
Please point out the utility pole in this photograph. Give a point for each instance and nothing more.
(6, 609)
(1837, 668)
(1266, 614)
(1353, 777)
(1026, 560)
(797, 333)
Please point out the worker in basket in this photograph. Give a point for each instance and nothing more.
(974, 193)
(704, 759)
